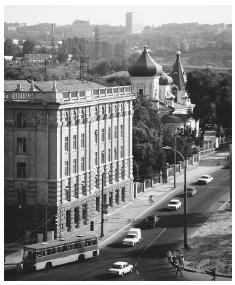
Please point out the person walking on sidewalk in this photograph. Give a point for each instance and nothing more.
(151, 202)
(178, 269)
(213, 273)
(169, 256)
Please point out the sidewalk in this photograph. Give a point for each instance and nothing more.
(120, 218)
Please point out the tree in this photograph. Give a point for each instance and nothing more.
(8, 47)
(62, 57)
(149, 158)
(212, 94)
(28, 47)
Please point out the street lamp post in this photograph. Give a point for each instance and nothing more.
(102, 207)
(185, 194)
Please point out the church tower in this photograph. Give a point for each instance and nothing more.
(179, 80)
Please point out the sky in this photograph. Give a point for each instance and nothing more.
(101, 12)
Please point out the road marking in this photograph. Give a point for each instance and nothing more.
(137, 217)
(154, 240)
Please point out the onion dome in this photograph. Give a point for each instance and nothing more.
(165, 79)
(145, 66)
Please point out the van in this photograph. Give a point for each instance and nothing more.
(132, 237)
(191, 191)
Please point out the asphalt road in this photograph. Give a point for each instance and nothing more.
(149, 257)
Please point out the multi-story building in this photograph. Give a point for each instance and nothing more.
(134, 24)
(60, 137)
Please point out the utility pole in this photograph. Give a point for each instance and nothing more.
(185, 207)
(175, 163)
(102, 208)
(45, 62)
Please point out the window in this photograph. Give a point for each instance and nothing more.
(84, 188)
(115, 132)
(96, 136)
(97, 181)
(83, 140)
(76, 217)
(121, 131)
(75, 190)
(66, 117)
(110, 177)
(83, 163)
(96, 158)
(115, 109)
(116, 174)
(109, 109)
(21, 120)
(122, 172)
(115, 154)
(68, 193)
(83, 114)
(96, 111)
(21, 169)
(97, 204)
(74, 142)
(66, 168)
(74, 165)
(109, 154)
(66, 143)
(121, 152)
(75, 116)
(109, 133)
(102, 135)
(102, 156)
(21, 145)
(103, 110)
(141, 91)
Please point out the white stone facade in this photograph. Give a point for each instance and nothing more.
(57, 145)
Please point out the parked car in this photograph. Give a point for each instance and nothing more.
(205, 179)
(174, 204)
(150, 222)
(191, 191)
(120, 268)
(132, 237)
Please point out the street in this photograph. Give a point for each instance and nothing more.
(149, 256)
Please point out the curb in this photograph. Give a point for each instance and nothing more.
(203, 272)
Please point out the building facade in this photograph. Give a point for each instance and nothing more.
(59, 140)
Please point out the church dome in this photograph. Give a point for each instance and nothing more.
(165, 79)
(145, 66)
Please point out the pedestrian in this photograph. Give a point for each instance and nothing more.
(151, 202)
(218, 162)
(181, 260)
(169, 256)
(178, 269)
(18, 270)
(213, 273)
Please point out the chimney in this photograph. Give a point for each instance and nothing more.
(54, 86)
(18, 87)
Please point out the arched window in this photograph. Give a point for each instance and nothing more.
(66, 117)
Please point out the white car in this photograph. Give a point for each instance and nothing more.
(205, 179)
(120, 268)
(174, 204)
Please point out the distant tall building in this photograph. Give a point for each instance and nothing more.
(134, 24)
(82, 28)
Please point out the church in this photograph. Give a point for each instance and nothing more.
(167, 91)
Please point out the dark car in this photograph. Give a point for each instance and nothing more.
(191, 191)
(150, 222)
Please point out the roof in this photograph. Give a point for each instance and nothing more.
(120, 262)
(47, 86)
(177, 73)
(58, 242)
(165, 79)
(145, 66)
